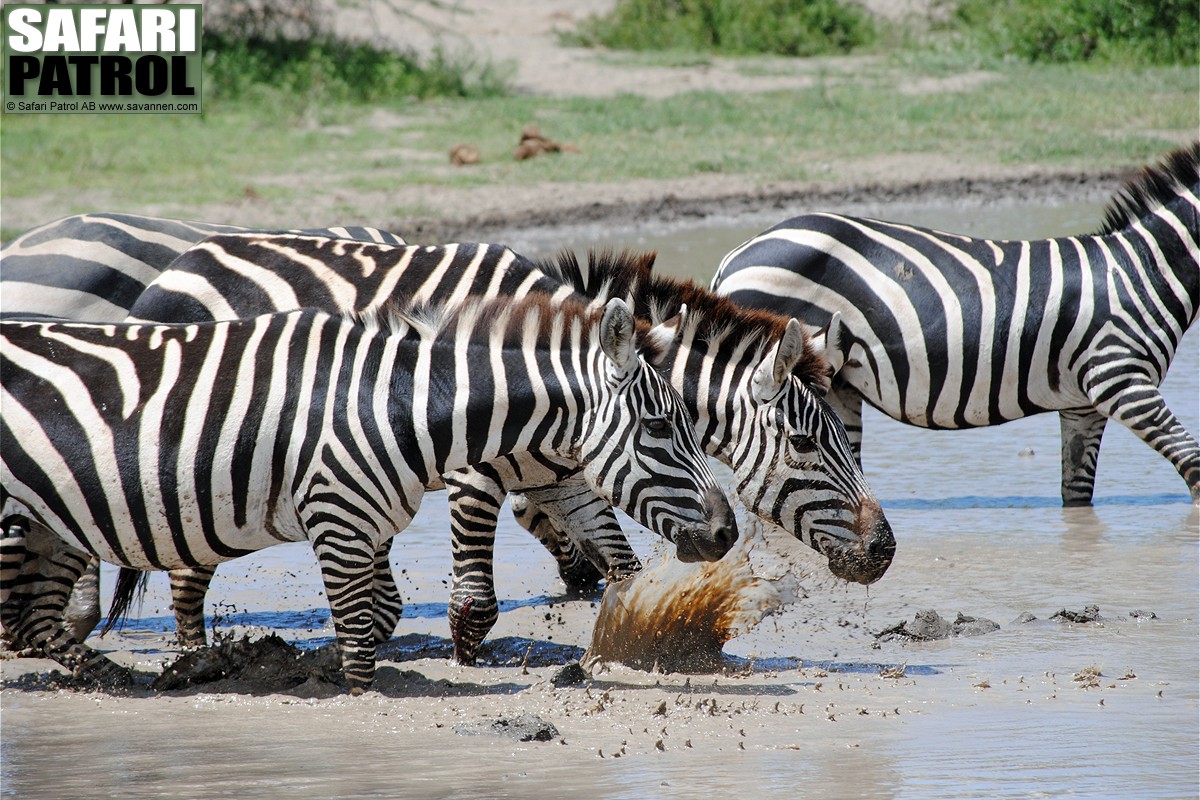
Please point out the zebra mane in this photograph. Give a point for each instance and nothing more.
(608, 274)
(1152, 187)
(482, 318)
(657, 298)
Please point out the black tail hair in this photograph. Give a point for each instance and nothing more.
(131, 584)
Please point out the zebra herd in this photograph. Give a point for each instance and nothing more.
(178, 394)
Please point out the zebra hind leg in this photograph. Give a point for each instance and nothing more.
(1082, 430)
(188, 590)
(347, 563)
(38, 599)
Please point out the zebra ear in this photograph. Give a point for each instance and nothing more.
(664, 333)
(831, 342)
(616, 336)
(774, 370)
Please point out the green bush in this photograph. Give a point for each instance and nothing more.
(333, 69)
(784, 27)
(1124, 31)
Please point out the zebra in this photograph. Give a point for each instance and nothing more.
(164, 446)
(757, 403)
(946, 331)
(92, 268)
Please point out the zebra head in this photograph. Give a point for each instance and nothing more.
(639, 449)
(794, 465)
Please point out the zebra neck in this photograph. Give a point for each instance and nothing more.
(710, 378)
(1161, 251)
(467, 408)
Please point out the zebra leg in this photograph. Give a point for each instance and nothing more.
(579, 574)
(188, 589)
(389, 605)
(13, 531)
(1139, 406)
(36, 602)
(580, 515)
(347, 563)
(1081, 433)
(82, 614)
(475, 500)
(847, 404)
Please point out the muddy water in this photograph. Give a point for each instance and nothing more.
(806, 712)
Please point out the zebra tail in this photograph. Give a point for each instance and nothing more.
(130, 583)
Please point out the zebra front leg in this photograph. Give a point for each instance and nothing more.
(578, 514)
(389, 605)
(579, 574)
(1139, 406)
(347, 562)
(475, 501)
(1082, 430)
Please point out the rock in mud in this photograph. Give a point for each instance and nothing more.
(1089, 614)
(522, 728)
(928, 625)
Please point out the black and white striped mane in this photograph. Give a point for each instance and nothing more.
(710, 317)
(1152, 187)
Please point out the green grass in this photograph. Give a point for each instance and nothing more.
(1067, 116)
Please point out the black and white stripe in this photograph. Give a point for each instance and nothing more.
(92, 268)
(751, 382)
(946, 331)
(166, 446)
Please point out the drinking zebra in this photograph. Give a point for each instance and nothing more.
(946, 331)
(167, 446)
(750, 380)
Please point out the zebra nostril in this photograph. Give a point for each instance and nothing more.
(722, 523)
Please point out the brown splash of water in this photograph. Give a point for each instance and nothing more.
(677, 617)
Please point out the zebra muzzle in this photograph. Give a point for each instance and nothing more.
(710, 542)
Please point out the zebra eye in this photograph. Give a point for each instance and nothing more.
(802, 443)
(658, 427)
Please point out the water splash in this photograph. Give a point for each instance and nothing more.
(677, 617)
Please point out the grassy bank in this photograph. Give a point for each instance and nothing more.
(266, 148)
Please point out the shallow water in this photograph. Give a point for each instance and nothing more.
(979, 529)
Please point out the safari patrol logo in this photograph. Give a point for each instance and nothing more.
(127, 59)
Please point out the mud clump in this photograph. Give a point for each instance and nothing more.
(929, 626)
(262, 666)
